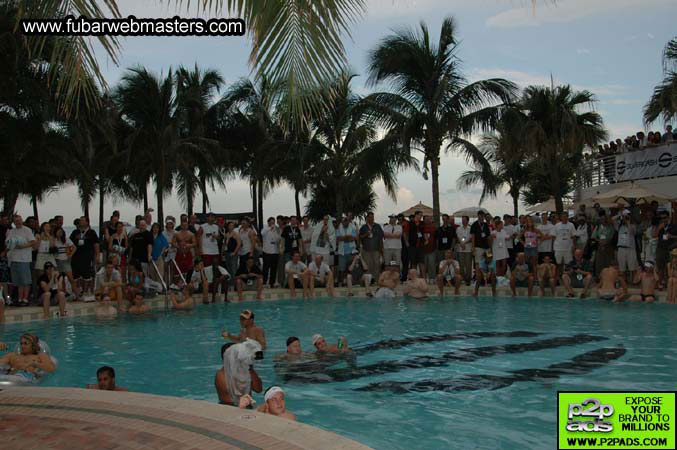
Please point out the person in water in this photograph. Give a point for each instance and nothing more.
(105, 378)
(139, 306)
(105, 308)
(388, 280)
(186, 303)
(611, 285)
(235, 381)
(415, 286)
(294, 350)
(322, 347)
(247, 330)
(273, 403)
(3, 346)
(29, 360)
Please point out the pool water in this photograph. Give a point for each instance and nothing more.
(447, 373)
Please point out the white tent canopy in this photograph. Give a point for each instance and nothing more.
(471, 211)
(547, 206)
(633, 191)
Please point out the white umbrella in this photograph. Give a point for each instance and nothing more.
(623, 195)
(471, 211)
(548, 205)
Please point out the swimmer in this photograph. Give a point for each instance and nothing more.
(104, 308)
(414, 286)
(139, 306)
(29, 360)
(612, 286)
(274, 404)
(322, 347)
(649, 280)
(105, 378)
(221, 383)
(449, 274)
(247, 330)
(546, 274)
(294, 351)
(388, 280)
(486, 270)
(186, 303)
(238, 381)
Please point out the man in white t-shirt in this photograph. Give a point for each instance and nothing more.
(511, 232)
(563, 244)
(321, 275)
(20, 241)
(271, 236)
(545, 242)
(498, 247)
(464, 249)
(297, 275)
(208, 235)
(346, 243)
(449, 273)
(392, 242)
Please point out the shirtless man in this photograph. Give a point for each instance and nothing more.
(322, 347)
(184, 242)
(294, 351)
(388, 280)
(105, 308)
(520, 276)
(546, 272)
(221, 384)
(648, 279)
(29, 360)
(609, 280)
(139, 306)
(414, 286)
(105, 378)
(186, 303)
(274, 404)
(449, 273)
(248, 330)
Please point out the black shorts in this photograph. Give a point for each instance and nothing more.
(82, 269)
(542, 255)
(415, 255)
(298, 284)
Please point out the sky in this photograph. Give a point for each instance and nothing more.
(610, 47)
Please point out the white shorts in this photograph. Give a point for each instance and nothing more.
(627, 259)
(563, 256)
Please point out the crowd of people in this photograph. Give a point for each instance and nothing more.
(638, 141)
(126, 263)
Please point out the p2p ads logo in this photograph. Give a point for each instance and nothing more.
(618, 420)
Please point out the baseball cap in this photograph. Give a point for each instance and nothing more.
(247, 314)
(315, 338)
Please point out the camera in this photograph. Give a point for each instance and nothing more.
(258, 355)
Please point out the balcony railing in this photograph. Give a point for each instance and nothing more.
(651, 162)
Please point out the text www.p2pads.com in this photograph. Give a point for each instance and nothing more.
(132, 26)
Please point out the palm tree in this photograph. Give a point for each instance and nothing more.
(663, 102)
(195, 89)
(293, 41)
(350, 155)
(556, 132)
(433, 103)
(506, 161)
(148, 104)
(257, 135)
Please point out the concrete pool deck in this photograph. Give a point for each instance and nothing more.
(78, 309)
(62, 418)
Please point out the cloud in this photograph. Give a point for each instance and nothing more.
(650, 36)
(563, 11)
(582, 51)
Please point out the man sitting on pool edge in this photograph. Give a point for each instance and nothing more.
(415, 286)
(322, 347)
(388, 280)
(105, 377)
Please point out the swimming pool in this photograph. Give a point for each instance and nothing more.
(453, 374)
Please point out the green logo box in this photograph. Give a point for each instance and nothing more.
(616, 420)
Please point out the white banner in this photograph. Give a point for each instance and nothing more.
(652, 162)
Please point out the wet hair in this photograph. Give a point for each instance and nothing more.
(291, 340)
(109, 369)
(34, 340)
(225, 347)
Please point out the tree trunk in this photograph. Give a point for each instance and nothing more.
(434, 165)
(556, 192)
(102, 195)
(203, 187)
(297, 203)
(9, 203)
(515, 204)
(252, 185)
(145, 198)
(34, 201)
(85, 211)
(260, 205)
(160, 206)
